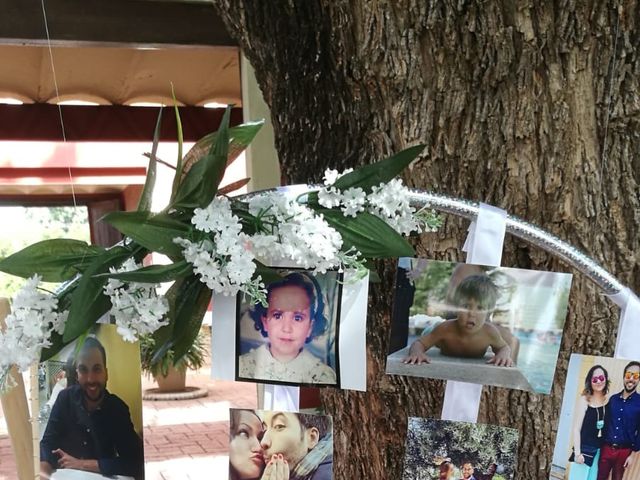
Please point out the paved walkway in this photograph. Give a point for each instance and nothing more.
(184, 439)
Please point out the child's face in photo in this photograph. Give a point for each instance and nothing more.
(288, 321)
(471, 315)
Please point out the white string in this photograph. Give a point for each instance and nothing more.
(55, 85)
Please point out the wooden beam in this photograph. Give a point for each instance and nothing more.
(121, 22)
(41, 121)
(16, 413)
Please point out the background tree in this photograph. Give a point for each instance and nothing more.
(33, 224)
(530, 106)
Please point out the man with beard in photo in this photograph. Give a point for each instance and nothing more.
(622, 422)
(90, 429)
(305, 442)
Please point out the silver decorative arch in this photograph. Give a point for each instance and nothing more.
(527, 232)
(515, 226)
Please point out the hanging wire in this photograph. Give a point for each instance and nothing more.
(55, 85)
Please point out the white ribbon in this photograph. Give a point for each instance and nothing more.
(628, 341)
(282, 398)
(484, 247)
(486, 236)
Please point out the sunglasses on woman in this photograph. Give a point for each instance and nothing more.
(630, 375)
(598, 379)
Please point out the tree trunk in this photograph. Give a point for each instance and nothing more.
(530, 106)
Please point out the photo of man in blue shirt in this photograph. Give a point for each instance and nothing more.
(89, 428)
(622, 422)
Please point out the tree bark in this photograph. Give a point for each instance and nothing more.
(530, 106)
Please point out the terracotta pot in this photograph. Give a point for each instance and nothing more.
(174, 381)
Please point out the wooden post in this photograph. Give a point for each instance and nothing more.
(16, 412)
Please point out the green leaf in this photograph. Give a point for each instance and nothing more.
(383, 171)
(179, 164)
(153, 273)
(144, 205)
(88, 302)
(189, 323)
(369, 234)
(240, 137)
(188, 301)
(57, 260)
(153, 231)
(201, 182)
(199, 158)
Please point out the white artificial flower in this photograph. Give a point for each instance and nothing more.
(224, 262)
(136, 307)
(330, 176)
(388, 201)
(329, 197)
(293, 232)
(353, 201)
(28, 330)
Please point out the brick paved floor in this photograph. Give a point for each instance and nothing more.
(184, 439)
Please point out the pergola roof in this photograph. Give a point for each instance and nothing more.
(121, 76)
(113, 53)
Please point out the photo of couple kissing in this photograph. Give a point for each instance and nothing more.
(273, 445)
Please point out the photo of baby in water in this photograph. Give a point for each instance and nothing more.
(291, 339)
(473, 323)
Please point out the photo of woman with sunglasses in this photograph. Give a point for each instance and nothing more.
(599, 431)
(589, 424)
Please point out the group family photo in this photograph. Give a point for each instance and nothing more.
(599, 430)
(448, 450)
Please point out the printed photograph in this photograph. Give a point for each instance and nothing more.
(599, 430)
(446, 450)
(472, 323)
(90, 417)
(276, 445)
(292, 339)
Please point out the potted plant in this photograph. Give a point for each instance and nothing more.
(170, 373)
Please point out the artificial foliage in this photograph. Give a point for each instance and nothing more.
(216, 243)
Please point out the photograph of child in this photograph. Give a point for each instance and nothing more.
(446, 450)
(90, 417)
(273, 445)
(599, 430)
(472, 323)
(293, 339)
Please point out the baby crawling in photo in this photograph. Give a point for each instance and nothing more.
(470, 334)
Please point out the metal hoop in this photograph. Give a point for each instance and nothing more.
(515, 226)
(527, 232)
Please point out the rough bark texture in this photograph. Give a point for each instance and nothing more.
(530, 106)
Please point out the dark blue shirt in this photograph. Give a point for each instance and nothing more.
(623, 421)
(105, 434)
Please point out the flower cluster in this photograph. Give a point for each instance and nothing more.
(136, 307)
(292, 232)
(29, 326)
(388, 201)
(224, 262)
